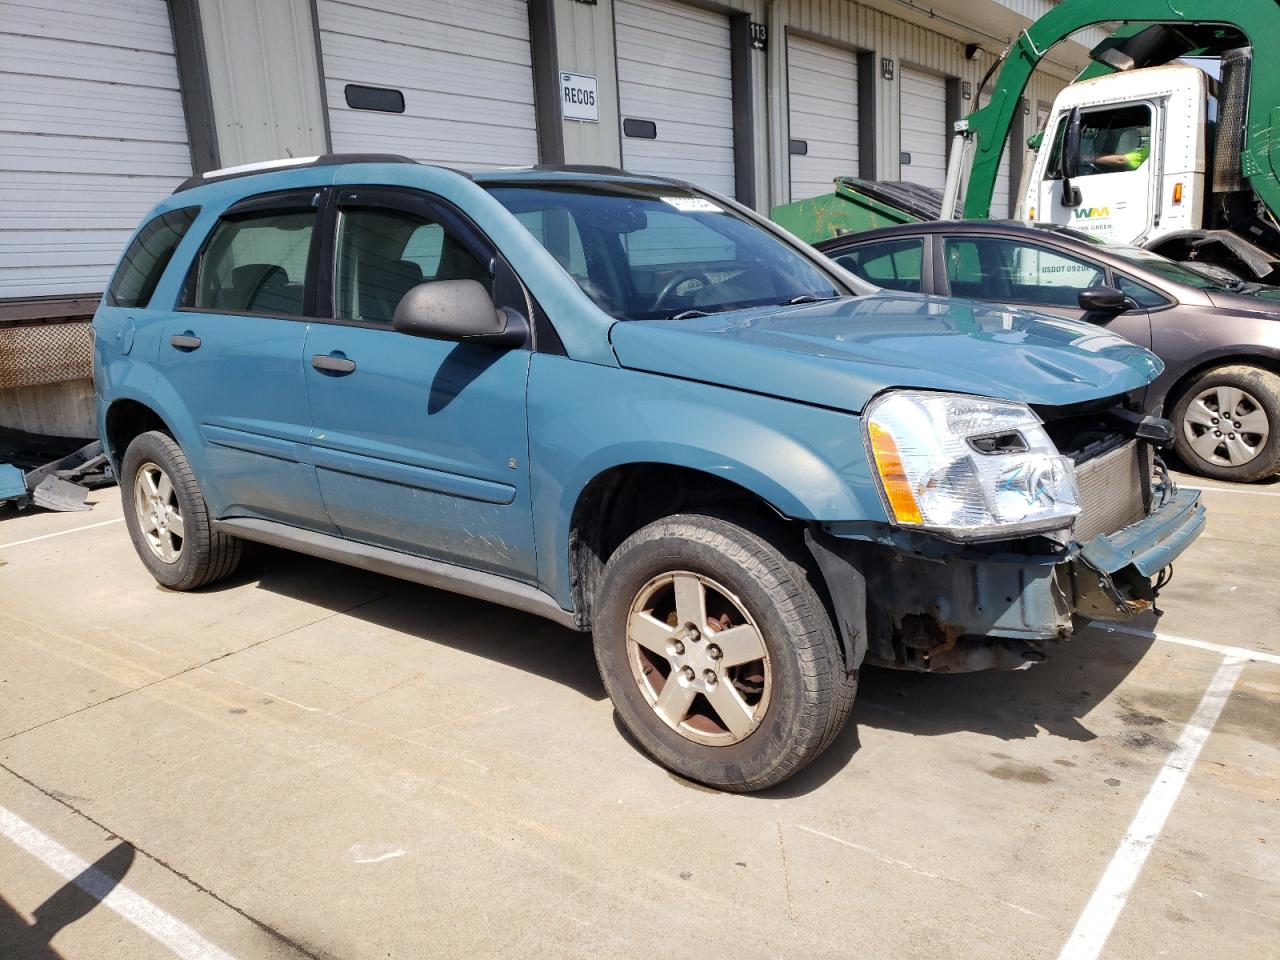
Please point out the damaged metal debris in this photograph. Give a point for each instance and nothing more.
(50, 472)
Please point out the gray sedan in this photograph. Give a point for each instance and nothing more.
(1218, 336)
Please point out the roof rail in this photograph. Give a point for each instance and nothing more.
(288, 163)
(584, 168)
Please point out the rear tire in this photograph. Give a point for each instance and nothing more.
(751, 695)
(167, 517)
(1227, 424)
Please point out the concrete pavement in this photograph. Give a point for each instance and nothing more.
(313, 761)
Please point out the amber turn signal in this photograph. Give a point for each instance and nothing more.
(897, 488)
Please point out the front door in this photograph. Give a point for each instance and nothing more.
(420, 445)
(233, 353)
(1116, 177)
(1028, 274)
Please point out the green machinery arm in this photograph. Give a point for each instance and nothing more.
(1259, 20)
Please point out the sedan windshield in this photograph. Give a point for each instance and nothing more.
(1206, 278)
(657, 251)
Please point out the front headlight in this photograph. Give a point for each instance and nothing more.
(968, 467)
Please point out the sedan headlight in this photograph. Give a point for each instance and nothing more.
(968, 467)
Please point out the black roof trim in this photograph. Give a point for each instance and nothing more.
(600, 169)
(326, 160)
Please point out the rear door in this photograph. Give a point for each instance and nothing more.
(233, 354)
(420, 445)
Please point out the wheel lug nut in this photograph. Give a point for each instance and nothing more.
(714, 652)
(709, 676)
(678, 647)
(688, 673)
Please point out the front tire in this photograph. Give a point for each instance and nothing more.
(167, 517)
(1227, 424)
(718, 654)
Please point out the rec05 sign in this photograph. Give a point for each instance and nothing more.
(578, 97)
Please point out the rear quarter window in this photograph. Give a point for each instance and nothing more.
(144, 262)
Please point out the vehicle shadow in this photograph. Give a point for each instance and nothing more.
(1055, 696)
(487, 630)
(1191, 478)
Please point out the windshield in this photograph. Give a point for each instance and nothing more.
(657, 251)
(1175, 271)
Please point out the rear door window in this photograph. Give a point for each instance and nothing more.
(256, 263)
(893, 264)
(144, 263)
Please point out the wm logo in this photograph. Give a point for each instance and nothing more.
(1089, 213)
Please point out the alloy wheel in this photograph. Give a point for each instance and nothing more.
(158, 511)
(699, 658)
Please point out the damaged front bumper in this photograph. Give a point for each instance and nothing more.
(918, 603)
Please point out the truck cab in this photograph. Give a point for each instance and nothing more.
(1123, 156)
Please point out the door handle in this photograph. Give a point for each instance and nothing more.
(329, 363)
(185, 341)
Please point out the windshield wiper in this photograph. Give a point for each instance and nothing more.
(688, 315)
(807, 298)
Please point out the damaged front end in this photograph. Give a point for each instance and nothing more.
(919, 602)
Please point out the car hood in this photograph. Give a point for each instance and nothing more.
(1264, 300)
(843, 352)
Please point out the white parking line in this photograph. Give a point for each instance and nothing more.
(1241, 653)
(1109, 897)
(1251, 493)
(61, 533)
(142, 913)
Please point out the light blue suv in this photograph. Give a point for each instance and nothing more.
(638, 409)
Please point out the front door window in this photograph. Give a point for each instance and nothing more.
(384, 252)
(1112, 191)
(1010, 271)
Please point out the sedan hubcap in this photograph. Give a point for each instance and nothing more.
(156, 505)
(1226, 426)
(699, 658)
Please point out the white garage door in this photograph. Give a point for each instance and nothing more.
(822, 97)
(922, 124)
(92, 133)
(466, 77)
(675, 91)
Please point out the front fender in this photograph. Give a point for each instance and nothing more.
(807, 462)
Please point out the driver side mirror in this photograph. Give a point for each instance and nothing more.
(458, 310)
(1104, 302)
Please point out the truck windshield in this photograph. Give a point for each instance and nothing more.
(656, 251)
